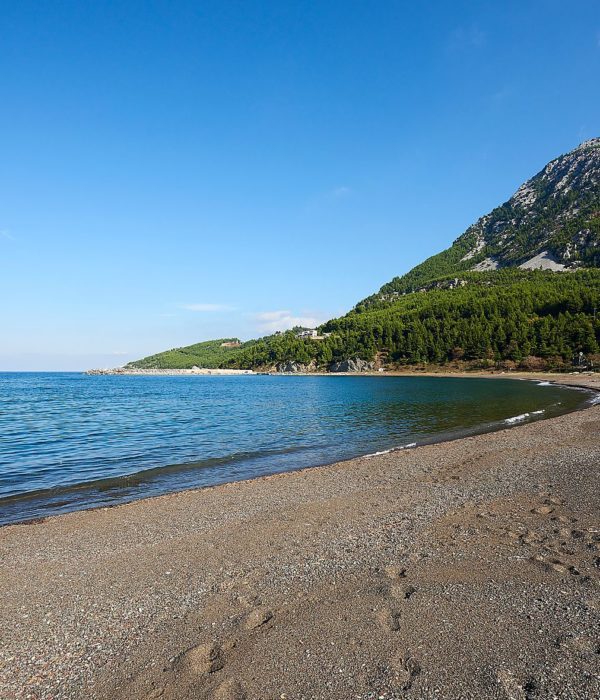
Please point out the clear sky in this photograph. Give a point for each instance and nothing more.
(177, 171)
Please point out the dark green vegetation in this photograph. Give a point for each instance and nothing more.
(487, 316)
(447, 310)
(210, 354)
(479, 317)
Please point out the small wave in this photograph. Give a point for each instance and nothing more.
(383, 452)
(544, 383)
(409, 446)
(523, 416)
(517, 419)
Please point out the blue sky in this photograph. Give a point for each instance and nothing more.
(177, 171)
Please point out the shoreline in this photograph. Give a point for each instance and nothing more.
(463, 568)
(197, 372)
(407, 372)
(510, 422)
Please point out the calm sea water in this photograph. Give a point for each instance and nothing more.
(69, 441)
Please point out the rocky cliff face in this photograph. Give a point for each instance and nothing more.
(551, 222)
(352, 365)
(293, 367)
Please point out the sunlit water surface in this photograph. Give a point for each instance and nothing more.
(70, 441)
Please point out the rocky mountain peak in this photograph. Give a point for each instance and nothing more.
(590, 143)
(552, 222)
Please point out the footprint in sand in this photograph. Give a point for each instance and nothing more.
(389, 618)
(230, 690)
(531, 537)
(395, 571)
(543, 510)
(200, 659)
(405, 668)
(513, 688)
(257, 618)
(402, 591)
(398, 589)
(556, 565)
(563, 519)
(582, 644)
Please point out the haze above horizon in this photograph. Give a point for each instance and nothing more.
(181, 171)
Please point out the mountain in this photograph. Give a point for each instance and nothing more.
(551, 222)
(520, 287)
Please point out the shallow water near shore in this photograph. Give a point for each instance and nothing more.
(70, 441)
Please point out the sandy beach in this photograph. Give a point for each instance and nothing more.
(468, 569)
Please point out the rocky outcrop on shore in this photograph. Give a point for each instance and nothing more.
(291, 367)
(352, 365)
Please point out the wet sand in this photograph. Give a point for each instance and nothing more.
(468, 569)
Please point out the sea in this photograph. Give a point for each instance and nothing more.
(69, 441)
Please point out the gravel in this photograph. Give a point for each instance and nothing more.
(468, 569)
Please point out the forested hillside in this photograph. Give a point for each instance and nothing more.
(520, 286)
(210, 354)
(486, 316)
